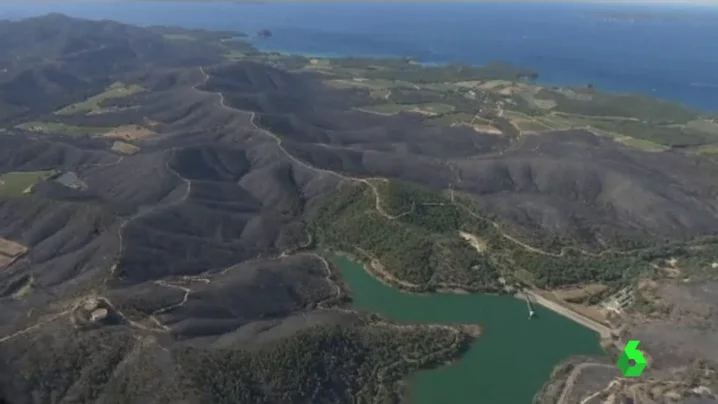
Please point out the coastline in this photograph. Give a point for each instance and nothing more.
(544, 76)
(573, 50)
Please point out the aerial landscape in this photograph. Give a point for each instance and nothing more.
(186, 217)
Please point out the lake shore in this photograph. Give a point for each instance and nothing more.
(505, 338)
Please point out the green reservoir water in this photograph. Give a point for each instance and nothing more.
(507, 364)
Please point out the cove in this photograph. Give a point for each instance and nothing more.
(507, 364)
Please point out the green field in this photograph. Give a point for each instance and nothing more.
(641, 144)
(21, 182)
(94, 103)
(702, 126)
(428, 108)
(708, 149)
(63, 129)
(531, 125)
(374, 84)
(619, 106)
(179, 37)
(558, 123)
(461, 117)
(234, 55)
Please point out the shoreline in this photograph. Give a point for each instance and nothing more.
(541, 79)
(534, 296)
(377, 271)
(474, 330)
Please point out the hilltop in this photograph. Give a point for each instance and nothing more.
(168, 197)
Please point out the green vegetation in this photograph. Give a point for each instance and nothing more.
(700, 262)
(93, 105)
(21, 182)
(20, 288)
(641, 144)
(179, 37)
(197, 34)
(422, 247)
(460, 117)
(63, 129)
(664, 135)
(531, 125)
(416, 73)
(428, 108)
(650, 124)
(234, 54)
(702, 126)
(422, 244)
(376, 84)
(708, 149)
(324, 364)
(435, 77)
(634, 106)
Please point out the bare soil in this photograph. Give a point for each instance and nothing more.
(125, 148)
(5, 261)
(11, 248)
(581, 292)
(129, 133)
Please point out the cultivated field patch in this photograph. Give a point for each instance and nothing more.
(708, 149)
(704, 126)
(9, 252)
(179, 37)
(458, 118)
(494, 84)
(62, 129)
(129, 132)
(580, 293)
(124, 148)
(426, 109)
(530, 125)
(642, 144)
(93, 105)
(11, 248)
(374, 84)
(542, 104)
(5, 261)
(487, 129)
(21, 182)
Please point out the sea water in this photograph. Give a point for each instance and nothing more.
(673, 57)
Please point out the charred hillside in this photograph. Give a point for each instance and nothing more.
(133, 264)
(572, 184)
(164, 211)
(55, 60)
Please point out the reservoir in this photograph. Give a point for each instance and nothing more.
(507, 364)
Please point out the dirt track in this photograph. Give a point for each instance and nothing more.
(572, 379)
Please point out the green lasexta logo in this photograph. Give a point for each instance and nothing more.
(631, 353)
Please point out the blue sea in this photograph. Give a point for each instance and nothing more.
(673, 56)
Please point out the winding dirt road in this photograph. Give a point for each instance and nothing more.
(574, 375)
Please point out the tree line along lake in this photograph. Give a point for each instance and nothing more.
(508, 363)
